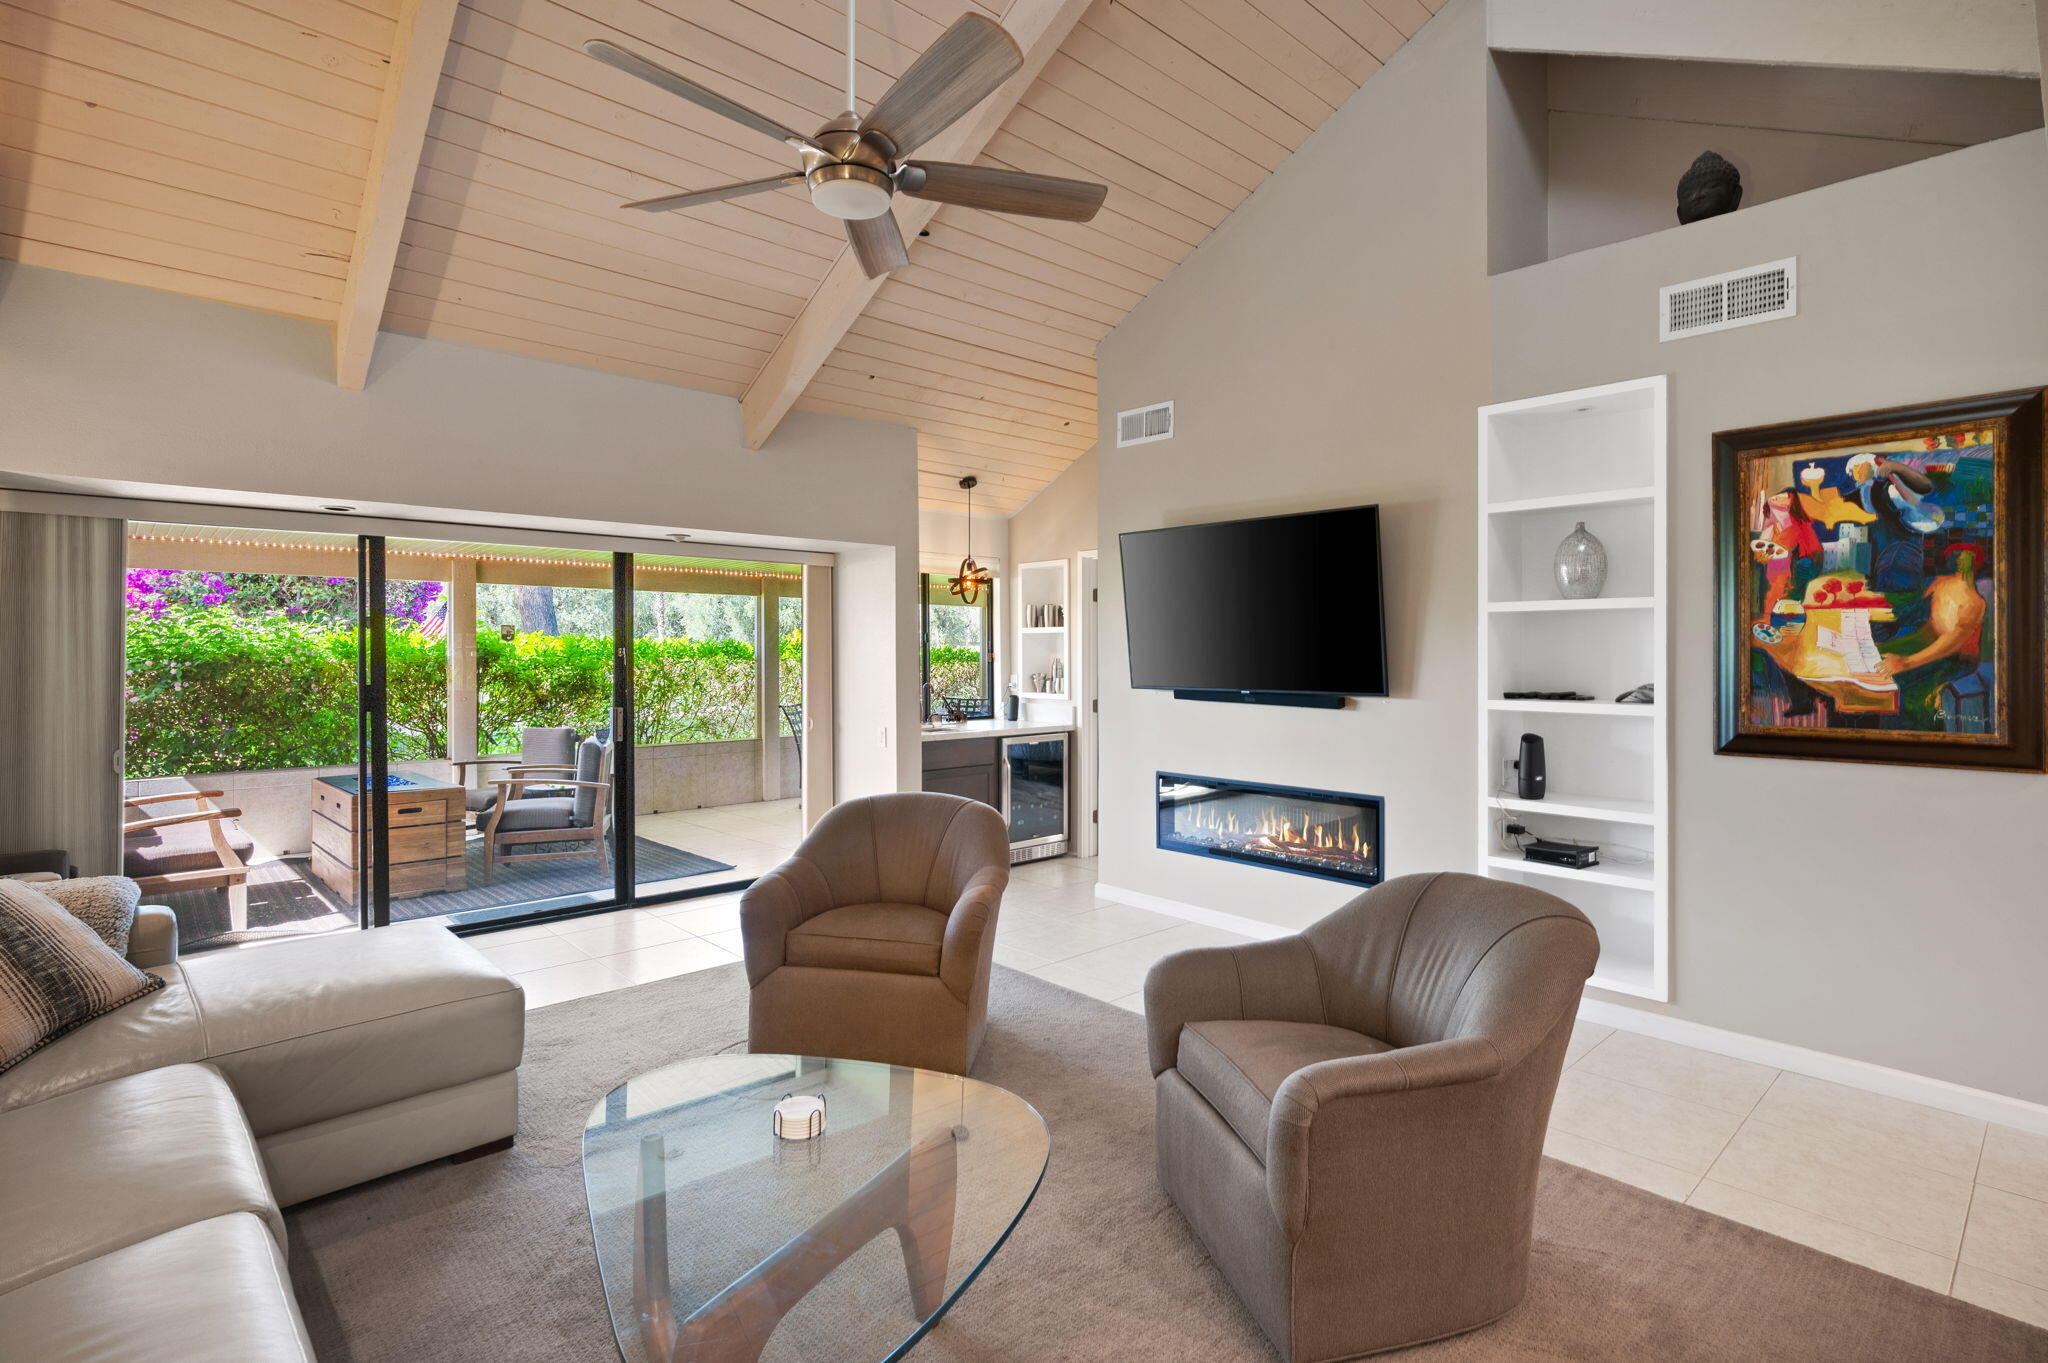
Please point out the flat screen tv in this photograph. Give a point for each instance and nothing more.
(1281, 604)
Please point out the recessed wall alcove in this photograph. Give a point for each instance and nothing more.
(1584, 151)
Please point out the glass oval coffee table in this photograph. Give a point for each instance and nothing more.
(721, 1242)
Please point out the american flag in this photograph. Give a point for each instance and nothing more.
(435, 626)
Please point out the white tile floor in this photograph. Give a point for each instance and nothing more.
(568, 960)
(1944, 1201)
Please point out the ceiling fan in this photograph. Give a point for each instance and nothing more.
(854, 166)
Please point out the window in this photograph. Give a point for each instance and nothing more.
(959, 649)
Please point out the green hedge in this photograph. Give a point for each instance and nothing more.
(955, 671)
(210, 691)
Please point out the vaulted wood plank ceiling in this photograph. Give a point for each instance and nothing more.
(222, 148)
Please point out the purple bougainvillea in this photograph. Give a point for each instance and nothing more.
(414, 602)
(152, 591)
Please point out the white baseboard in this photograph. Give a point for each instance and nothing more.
(1780, 1055)
(1194, 913)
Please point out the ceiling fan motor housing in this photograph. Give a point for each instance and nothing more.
(853, 176)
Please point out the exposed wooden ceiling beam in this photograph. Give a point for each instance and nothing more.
(1039, 27)
(418, 49)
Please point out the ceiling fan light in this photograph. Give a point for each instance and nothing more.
(850, 192)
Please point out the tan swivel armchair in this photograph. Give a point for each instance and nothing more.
(873, 941)
(1352, 1119)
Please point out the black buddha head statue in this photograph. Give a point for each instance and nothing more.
(1709, 188)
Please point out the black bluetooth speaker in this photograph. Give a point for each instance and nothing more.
(1529, 768)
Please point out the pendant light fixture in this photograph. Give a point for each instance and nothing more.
(973, 578)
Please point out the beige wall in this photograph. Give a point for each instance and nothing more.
(114, 388)
(1920, 946)
(942, 540)
(1988, 36)
(1620, 133)
(1326, 347)
(2041, 23)
(1061, 520)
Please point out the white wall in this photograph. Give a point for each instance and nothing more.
(114, 388)
(1326, 347)
(1922, 947)
(1993, 37)
(875, 676)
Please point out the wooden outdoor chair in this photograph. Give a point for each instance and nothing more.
(202, 848)
(540, 750)
(516, 819)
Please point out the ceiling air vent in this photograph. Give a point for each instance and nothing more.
(1762, 293)
(1143, 425)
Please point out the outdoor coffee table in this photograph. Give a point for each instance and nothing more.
(721, 1242)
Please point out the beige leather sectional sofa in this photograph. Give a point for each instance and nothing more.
(146, 1155)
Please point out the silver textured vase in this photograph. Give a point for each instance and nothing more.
(1581, 565)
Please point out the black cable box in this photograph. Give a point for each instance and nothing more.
(1575, 855)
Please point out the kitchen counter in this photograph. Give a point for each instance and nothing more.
(995, 728)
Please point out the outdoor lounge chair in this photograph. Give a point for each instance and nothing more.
(959, 708)
(793, 716)
(515, 818)
(540, 750)
(201, 848)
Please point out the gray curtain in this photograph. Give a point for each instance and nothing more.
(62, 677)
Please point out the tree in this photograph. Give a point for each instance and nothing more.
(537, 610)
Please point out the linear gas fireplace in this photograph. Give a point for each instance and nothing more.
(1309, 832)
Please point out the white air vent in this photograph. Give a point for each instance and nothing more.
(1143, 425)
(1762, 293)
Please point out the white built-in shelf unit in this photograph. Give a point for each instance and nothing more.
(1596, 455)
(1043, 586)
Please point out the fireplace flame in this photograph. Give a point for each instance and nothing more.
(1288, 833)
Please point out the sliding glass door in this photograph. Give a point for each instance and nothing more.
(492, 679)
(244, 655)
(379, 730)
(717, 679)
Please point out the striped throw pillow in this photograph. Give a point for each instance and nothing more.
(56, 975)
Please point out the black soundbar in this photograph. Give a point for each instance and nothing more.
(1303, 700)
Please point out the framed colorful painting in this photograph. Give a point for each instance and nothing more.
(1880, 586)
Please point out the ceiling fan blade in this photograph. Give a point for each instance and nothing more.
(957, 72)
(635, 65)
(668, 202)
(1002, 191)
(877, 244)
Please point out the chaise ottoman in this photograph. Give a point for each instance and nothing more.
(353, 1055)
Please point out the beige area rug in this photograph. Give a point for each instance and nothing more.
(491, 1261)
